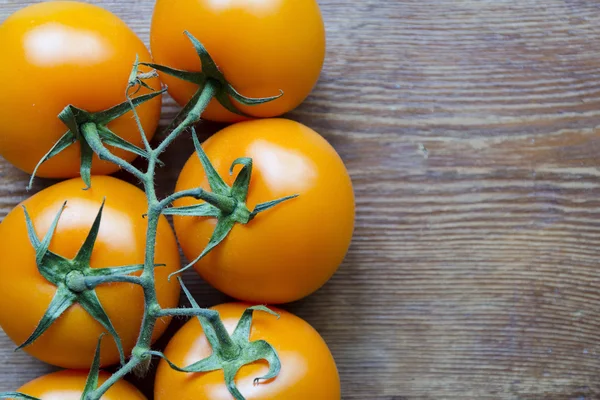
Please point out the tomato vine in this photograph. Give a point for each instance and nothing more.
(75, 280)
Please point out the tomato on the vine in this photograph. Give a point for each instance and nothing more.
(69, 385)
(262, 47)
(291, 250)
(60, 53)
(71, 341)
(308, 370)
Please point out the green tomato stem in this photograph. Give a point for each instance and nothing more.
(227, 347)
(90, 132)
(152, 310)
(92, 282)
(224, 203)
(80, 283)
(230, 352)
(208, 93)
(133, 362)
(138, 122)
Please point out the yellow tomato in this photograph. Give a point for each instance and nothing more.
(262, 47)
(71, 341)
(308, 370)
(291, 250)
(58, 53)
(69, 385)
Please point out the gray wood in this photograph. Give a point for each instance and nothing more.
(470, 130)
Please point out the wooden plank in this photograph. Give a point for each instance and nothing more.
(470, 130)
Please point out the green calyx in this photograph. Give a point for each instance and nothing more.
(91, 383)
(227, 204)
(74, 279)
(76, 119)
(225, 92)
(231, 352)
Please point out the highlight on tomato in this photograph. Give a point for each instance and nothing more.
(274, 254)
(307, 370)
(261, 48)
(61, 53)
(69, 385)
(68, 261)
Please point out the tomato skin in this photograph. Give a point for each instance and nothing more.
(71, 341)
(308, 369)
(262, 47)
(69, 385)
(61, 53)
(290, 251)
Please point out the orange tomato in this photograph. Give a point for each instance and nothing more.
(71, 341)
(262, 47)
(69, 385)
(58, 53)
(308, 370)
(287, 252)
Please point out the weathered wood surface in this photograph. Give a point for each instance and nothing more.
(470, 130)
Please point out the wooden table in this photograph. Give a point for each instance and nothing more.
(469, 128)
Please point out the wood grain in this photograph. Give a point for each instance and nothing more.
(470, 128)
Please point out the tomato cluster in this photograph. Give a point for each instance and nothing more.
(267, 219)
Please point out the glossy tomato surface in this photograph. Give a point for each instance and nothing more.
(287, 252)
(262, 47)
(58, 53)
(308, 370)
(71, 341)
(69, 385)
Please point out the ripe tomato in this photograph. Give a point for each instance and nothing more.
(59, 53)
(71, 341)
(287, 252)
(262, 47)
(69, 385)
(308, 370)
